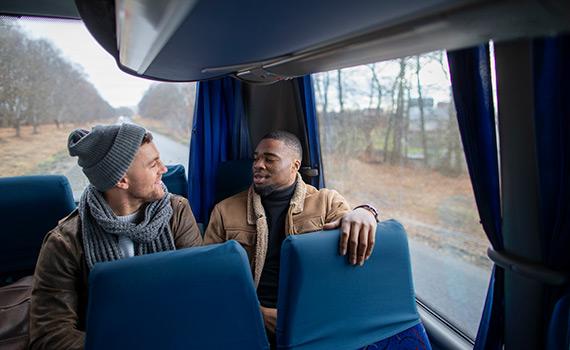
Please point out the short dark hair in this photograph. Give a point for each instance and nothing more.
(290, 140)
(147, 138)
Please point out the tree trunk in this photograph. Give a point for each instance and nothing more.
(372, 86)
(318, 88)
(375, 90)
(399, 116)
(456, 150)
(407, 123)
(35, 124)
(339, 85)
(387, 137)
(329, 127)
(326, 83)
(376, 83)
(390, 120)
(17, 127)
(17, 122)
(422, 115)
(453, 157)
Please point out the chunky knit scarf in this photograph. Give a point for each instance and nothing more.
(101, 229)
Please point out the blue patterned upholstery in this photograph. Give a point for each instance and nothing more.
(326, 303)
(414, 338)
(30, 206)
(194, 298)
(175, 180)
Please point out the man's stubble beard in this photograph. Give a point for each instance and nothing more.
(264, 191)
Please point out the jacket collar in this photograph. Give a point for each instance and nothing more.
(298, 199)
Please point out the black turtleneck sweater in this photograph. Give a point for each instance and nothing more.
(276, 206)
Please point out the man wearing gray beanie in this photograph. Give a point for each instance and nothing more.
(125, 211)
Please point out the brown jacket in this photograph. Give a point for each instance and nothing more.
(242, 218)
(59, 295)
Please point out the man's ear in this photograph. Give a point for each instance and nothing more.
(297, 164)
(123, 183)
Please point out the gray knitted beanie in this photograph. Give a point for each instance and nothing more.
(106, 152)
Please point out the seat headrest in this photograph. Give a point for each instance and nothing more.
(175, 180)
(325, 303)
(233, 177)
(30, 206)
(194, 298)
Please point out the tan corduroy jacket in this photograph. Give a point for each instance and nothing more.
(242, 218)
(59, 295)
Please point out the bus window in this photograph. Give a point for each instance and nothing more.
(389, 137)
(55, 78)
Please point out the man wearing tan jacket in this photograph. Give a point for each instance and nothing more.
(125, 211)
(279, 203)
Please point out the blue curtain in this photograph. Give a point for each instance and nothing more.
(472, 93)
(551, 71)
(219, 133)
(307, 93)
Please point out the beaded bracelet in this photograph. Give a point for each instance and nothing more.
(371, 209)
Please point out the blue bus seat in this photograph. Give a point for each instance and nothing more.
(233, 177)
(326, 303)
(30, 206)
(175, 180)
(559, 327)
(195, 298)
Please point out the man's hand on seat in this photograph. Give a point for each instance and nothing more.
(269, 318)
(358, 234)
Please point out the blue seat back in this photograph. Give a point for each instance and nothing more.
(195, 298)
(558, 336)
(326, 303)
(30, 206)
(175, 180)
(233, 177)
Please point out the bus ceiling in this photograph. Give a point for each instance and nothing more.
(40, 8)
(266, 41)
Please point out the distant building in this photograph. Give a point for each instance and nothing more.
(434, 118)
(427, 101)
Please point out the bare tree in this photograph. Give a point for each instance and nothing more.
(375, 89)
(453, 161)
(398, 119)
(322, 84)
(372, 120)
(422, 114)
(339, 87)
(326, 84)
(173, 104)
(406, 128)
(13, 46)
(124, 111)
(31, 69)
(391, 118)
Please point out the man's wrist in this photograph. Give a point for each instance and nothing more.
(370, 209)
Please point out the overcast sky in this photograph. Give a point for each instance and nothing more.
(118, 88)
(121, 89)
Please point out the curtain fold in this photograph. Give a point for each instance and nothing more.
(472, 93)
(219, 133)
(307, 95)
(551, 72)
